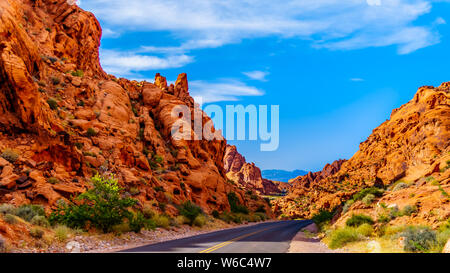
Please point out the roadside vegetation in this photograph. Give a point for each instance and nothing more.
(408, 238)
(363, 233)
(106, 209)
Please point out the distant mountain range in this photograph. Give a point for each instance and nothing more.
(282, 175)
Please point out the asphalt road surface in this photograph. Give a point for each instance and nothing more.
(270, 237)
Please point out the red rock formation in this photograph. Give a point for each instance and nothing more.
(411, 145)
(307, 180)
(64, 118)
(247, 174)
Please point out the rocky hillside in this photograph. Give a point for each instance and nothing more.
(62, 119)
(408, 156)
(248, 175)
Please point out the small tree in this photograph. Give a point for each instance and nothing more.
(102, 206)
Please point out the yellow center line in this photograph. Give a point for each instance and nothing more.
(215, 247)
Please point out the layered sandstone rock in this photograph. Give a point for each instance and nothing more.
(66, 119)
(412, 147)
(248, 175)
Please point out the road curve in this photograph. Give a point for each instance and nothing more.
(270, 237)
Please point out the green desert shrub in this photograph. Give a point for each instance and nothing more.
(40, 220)
(77, 73)
(226, 217)
(373, 190)
(158, 159)
(91, 132)
(215, 214)
(10, 155)
(10, 219)
(238, 218)
(383, 218)
(235, 205)
(190, 211)
(261, 215)
(392, 231)
(52, 103)
(162, 221)
(419, 239)
(137, 222)
(103, 206)
(61, 232)
(255, 218)
(400, 186)
(394, 212)
(7, 209)
(368, 199)
(322, 217)
(358, 219)
(121, 228)
(343, 236)
(36, 233)
(150, 224)
(408, 210)
(28, 212)
(181, 220)
(365, 230)
(199, 221)
(347, 205)
(53, 180)
(148, 211)
(442, 237)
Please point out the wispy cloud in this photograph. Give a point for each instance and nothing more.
(221, 90)
(257, 75)
(333, 24)
(356, 79)
(108, 33)
(130, 63)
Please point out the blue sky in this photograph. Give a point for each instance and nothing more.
(337, 68)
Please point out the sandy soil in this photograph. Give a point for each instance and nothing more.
(305, 242)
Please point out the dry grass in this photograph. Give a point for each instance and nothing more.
(386, 246)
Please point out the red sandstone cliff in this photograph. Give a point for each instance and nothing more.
(64, 119)
(411, 147)
(247, 174)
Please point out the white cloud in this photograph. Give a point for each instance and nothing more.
(222, 90)
(334, 24)
(440, 21)
(356, 79)
(108, 33)
(374, 2)
(257, 75)
(128, 63)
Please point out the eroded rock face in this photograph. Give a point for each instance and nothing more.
(248, 175)
(65, 118)
(412, 145)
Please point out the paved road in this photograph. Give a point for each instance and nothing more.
(270, 237)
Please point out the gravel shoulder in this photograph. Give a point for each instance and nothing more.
(306, 242)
